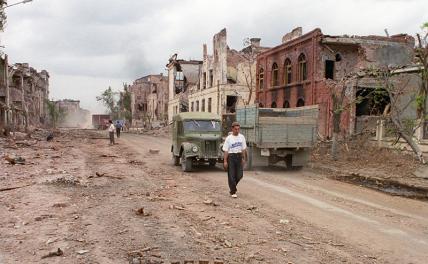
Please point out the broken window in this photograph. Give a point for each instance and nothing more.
(302, 67)
(209, 105)
(300, 102)
(261, 105)
(286, 104)
(197, 106)
(192, 107)
(180, 80)
(373, 101)
(273, 105)
(204, 80)
(231, 103)
(329, 69)
(287, 71)
(203, 105)
(211, 78)
(261, 78)
(275, 75)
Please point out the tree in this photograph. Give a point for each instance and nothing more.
(422, 59)
(342, 103)
(108, 100)
(3, 17)
(124, 103)
(404, 127)
(56, 114)
(247, 68)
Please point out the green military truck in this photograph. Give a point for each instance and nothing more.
(278, 134)
(196, 138)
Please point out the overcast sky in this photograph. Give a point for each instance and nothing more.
(88, 45)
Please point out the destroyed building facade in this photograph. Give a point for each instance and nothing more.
(183, 76)
(149, 100)
(217, 84)
(24, 93)
(295, 72)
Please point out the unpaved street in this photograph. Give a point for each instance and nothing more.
(84, 198)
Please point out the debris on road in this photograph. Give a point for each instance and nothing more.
(56, 253)
(176, 207)
(82, 252)
(14, 161)
(141, 212)
(154, 151)
(284, 221)
(210, 202)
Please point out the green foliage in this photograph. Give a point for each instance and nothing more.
(56, 114)
(108, 100)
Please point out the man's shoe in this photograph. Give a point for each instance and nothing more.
(234, 195)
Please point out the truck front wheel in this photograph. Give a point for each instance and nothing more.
(175, 159)
(186, 164)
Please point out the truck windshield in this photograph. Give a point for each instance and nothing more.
(202, 125)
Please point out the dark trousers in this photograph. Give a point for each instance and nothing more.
(118, 132)
(111, 134)
(234, 171)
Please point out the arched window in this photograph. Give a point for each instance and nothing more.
(275, 81)
(273, 105)
(261, 78)
(287, 72)
(286, 104)
(300, 102)
(302, 68)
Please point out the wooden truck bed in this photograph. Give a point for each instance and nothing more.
(279, 127)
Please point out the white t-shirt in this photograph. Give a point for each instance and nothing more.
(111, 128)
(235, 144)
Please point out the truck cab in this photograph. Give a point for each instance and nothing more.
(196, 139)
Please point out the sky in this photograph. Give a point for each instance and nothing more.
(89, 45)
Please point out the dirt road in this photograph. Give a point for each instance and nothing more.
(279, 217)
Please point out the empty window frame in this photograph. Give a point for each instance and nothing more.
(261, 78)
(275, 71)
(209, 105)
(302, 67)
(203, 105)
(286, 104)
(197, 106)
(300, 102)
(211, 78)
(204, 80)
(329, 69)
(287, 72)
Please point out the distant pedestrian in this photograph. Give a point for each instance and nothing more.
(111, 129)
(235, 157)
(118, 128)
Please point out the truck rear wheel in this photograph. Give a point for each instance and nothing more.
(212, 162)
(289, 161)
(186, 164)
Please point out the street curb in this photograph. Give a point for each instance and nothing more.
(392, 187)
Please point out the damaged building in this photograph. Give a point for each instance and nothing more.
(23, 96)
(217, 84)
(183, 76)
(72, 115)
(149, 100)
(295, 73)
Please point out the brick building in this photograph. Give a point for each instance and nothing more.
(294, 73)
(149, 99)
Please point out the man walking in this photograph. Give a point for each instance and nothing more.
(111, 130)
(235, 156)
(118, 128)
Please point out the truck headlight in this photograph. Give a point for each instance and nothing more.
(195, 148)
